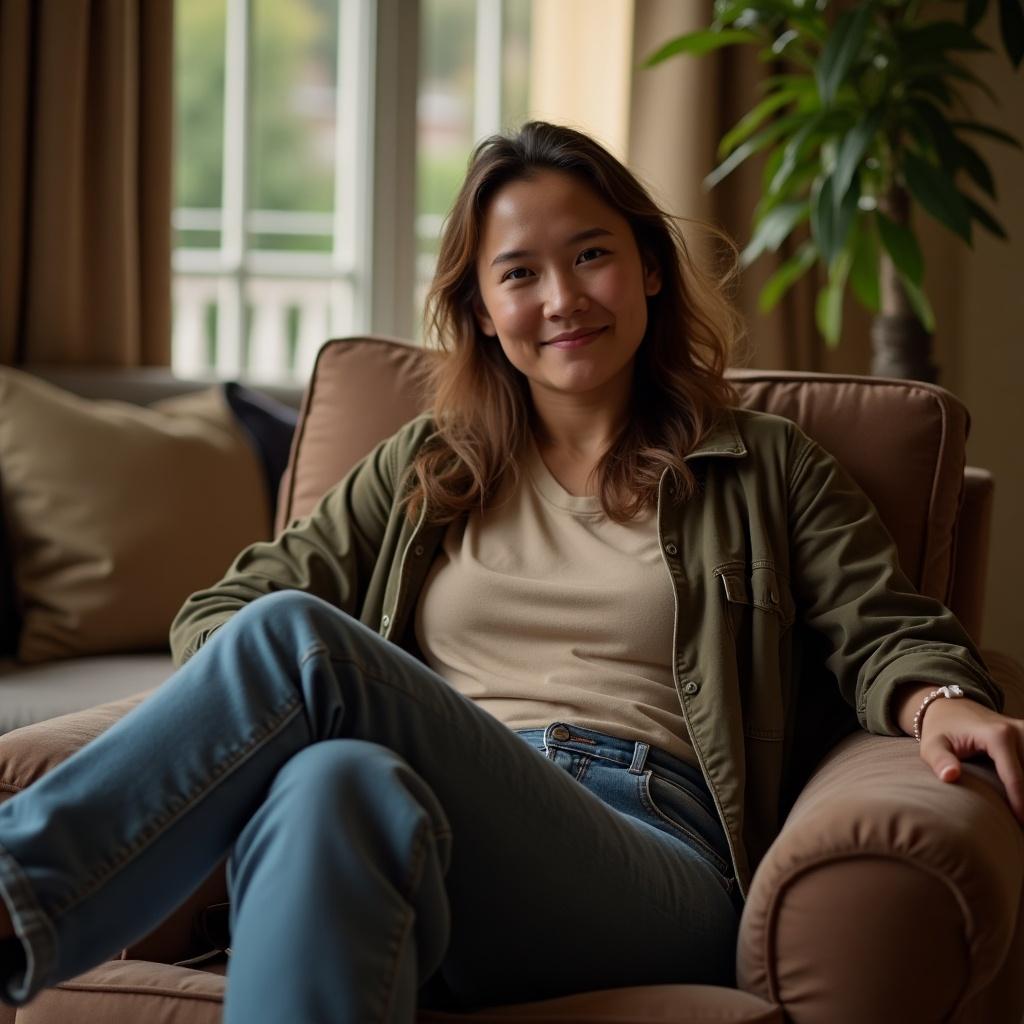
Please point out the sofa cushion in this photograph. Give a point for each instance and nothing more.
(32, 693)
(362, 390)
(116, 513)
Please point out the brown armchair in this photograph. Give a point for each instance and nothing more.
(887, 895)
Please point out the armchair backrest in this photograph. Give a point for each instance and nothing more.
(903, 441)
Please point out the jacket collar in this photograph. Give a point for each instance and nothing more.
(722, 439)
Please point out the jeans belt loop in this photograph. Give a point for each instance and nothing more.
(639, 757)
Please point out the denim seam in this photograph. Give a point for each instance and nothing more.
(395, 947)
(315, 648)
(590, 753)
(39, 939)
(624, 761)
(156, 828)
(646, 801)
(348, 659)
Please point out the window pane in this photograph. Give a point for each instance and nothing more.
(199, 115)
(515, 88)
(445, 104)
(291, 150)
(444, 114)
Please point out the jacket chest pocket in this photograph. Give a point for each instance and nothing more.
(750, 591)
(759, 609)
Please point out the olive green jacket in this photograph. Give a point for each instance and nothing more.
(786, 583)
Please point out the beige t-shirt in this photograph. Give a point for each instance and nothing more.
(543, 610)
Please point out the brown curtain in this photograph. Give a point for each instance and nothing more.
(678, 112)
(86, 112)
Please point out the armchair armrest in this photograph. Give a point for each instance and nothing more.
(28, 753)
(888, 895)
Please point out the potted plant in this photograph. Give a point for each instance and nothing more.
(862, 121)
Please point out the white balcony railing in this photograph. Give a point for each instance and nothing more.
(265, 320)
(288, 319)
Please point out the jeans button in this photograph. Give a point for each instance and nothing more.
(560, 733)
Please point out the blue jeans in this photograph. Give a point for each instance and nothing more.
(389, 843)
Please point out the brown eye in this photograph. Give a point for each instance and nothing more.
(591, 254)
(515, 274)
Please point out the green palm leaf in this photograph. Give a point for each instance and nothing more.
(935, 191)
(786, 276)
(902, 247)
(773, 229)
(984, 218)
(841, 50)
(696, 43)
(864, 269)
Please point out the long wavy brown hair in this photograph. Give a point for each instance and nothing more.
(481, 403)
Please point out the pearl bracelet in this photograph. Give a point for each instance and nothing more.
(949, 692)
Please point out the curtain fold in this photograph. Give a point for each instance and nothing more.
(678, 112)
(86, 114)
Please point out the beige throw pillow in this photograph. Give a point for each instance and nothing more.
(115, 513)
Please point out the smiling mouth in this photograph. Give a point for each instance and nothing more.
(576, 339)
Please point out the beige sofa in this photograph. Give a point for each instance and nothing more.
(33, 692)
(887, 896)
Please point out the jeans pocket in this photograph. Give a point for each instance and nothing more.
(680, 814)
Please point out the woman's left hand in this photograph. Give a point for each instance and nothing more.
(952, 730)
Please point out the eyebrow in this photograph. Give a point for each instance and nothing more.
(518, 254)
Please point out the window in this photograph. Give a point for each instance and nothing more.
(319, 144)
(262, 275)
(473, 82)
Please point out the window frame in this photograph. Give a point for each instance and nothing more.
(371, 268)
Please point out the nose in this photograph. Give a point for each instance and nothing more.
(564, 296)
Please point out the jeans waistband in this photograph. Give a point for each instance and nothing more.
(636, 755)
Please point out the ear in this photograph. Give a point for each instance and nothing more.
(483, 319)
(652, 280)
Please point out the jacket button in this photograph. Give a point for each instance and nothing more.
(418, 550)
(671, 549)
(385, 622)
(560, 733)
(691, 687)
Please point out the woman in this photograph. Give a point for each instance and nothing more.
(587, 562)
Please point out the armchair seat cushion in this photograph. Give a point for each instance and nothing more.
(128, 991)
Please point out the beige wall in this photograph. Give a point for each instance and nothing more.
(978, 294)
(580, 67)
(987, 353)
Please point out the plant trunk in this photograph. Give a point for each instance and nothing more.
(901, 347)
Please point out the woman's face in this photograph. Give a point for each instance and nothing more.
(563, 288)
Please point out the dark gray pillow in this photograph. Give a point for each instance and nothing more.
(269, 425)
